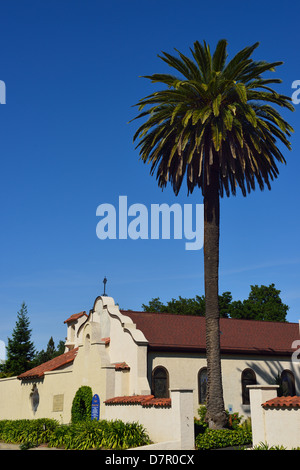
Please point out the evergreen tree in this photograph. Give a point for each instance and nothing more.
(20, 350)
(50, 353)
(60, 348)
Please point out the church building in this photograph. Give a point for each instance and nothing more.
(122, 354)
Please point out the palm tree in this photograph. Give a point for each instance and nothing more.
(214, 123)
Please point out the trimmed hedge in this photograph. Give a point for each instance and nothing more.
(82, 404)
(218, 438)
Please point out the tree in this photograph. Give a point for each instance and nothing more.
(155, 305)
(60, 347)
(20, 350)
(50, 353)
(184, 306)
(263, 303)
(82, 404)
(214, 123)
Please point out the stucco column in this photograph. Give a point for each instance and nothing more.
(259, 394)
(182, 402)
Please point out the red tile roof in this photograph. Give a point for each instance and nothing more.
(53, 364)
(282, 402)
(75, 316)
(181, 332)
(143, 400)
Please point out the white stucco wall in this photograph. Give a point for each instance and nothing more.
(174, 425)
(273, 426)
(15, 400)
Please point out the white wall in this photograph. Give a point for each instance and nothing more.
(172, 428)
(273, 426)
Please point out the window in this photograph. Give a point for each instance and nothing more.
(202, 385)
(160, 382)
(288, 383)
(248, 378)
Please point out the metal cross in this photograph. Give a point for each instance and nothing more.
(104, 283)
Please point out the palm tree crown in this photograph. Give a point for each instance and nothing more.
(215, 116)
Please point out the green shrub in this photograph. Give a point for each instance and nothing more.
(246, 424)
(99, 434)
(200, 423)
(30, 432)
(266, 446)
(80, 436)
(82, 404)
(218, 438)
(234, 419)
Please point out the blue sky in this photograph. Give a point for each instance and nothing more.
(71, 70)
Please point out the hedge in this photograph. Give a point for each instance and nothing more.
(33, 431)
(218, 438)
(99, 434)
(78, 436)
(82, 404)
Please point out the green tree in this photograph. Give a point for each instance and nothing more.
(82, 404)
(185, 306)
(215, 123)
(20, 350)
(263, 303)
(60, 349)
(50, 353)
(155, 305)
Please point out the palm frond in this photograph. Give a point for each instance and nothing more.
(214, 117)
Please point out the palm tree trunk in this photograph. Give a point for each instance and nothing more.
(216, 416)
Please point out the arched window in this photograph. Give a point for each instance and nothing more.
(160, 382)
(288, 383)
(202, 385)
(248, 378)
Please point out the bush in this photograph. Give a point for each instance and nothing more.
(99, 434)
(218, 438)
(78, 436)
(82, 404)
(31, 432)
(200, 423)
(234, 419)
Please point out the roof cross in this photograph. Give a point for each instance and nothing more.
(104, 283)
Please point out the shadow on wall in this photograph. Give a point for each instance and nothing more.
(273, 373)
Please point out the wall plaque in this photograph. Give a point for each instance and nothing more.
(58, 402)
